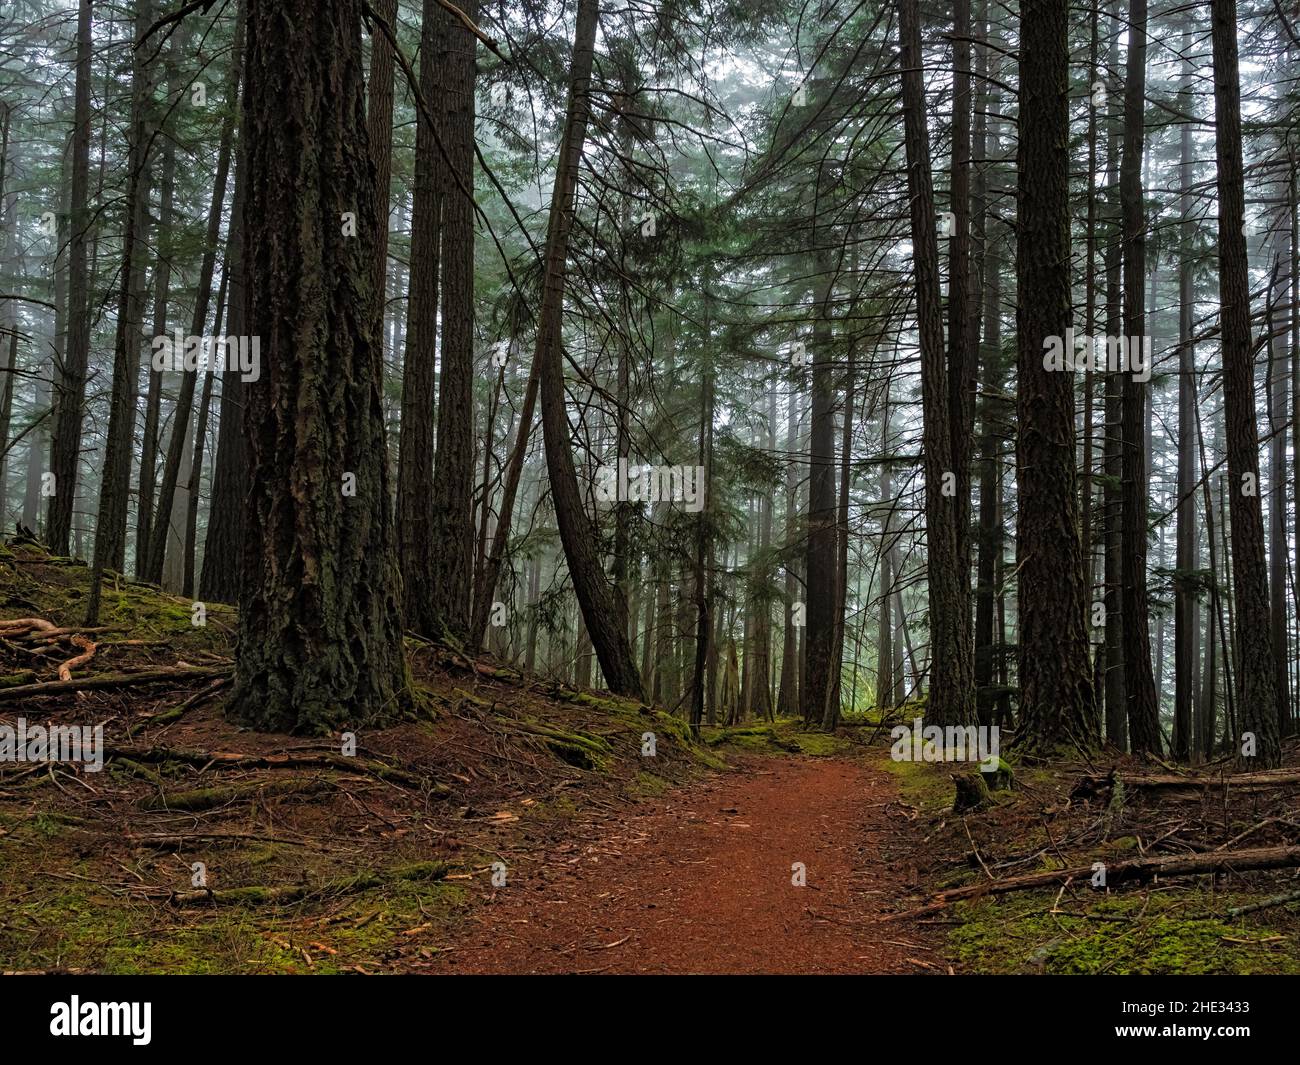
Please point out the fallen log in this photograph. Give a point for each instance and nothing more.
(211, 798)
(103, 681)
(1136, 869)
(1178, 785)
(348, 885)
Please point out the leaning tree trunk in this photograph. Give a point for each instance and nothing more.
(608, 637)
(320, 638)
(1256, 691)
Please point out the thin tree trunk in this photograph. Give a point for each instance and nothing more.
(1139, 682)
(70, 385)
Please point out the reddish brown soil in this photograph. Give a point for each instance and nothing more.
(699, 881)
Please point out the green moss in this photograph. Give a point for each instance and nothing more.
(648, 785)
(925, 785)
(79, 928)
(580, 749)
(45, 825)
(820, 744)
(1135, 933)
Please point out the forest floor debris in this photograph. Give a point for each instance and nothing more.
(203, 847)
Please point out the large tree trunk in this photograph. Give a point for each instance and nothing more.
(70, 386)
(952, 699)
(452, 531)
(608, 636)
(1056, 703)
(1256, 690)
(320, 639)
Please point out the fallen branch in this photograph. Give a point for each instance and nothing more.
(167, 717)
(20, 626)
(1139, 869)
(112, 680)
(1265, 904)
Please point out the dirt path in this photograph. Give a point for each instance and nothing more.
(700, 881)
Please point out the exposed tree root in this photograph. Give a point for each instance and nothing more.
(312, 760)
(88, 648)
(112, 680)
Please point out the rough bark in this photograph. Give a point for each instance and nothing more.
(952, 699)
(452, 531)
(1139, 681)
(415, 495)
(1256, 690)
(1056, 703)
(320, 643)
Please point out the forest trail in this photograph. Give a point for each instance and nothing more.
(700, 881)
